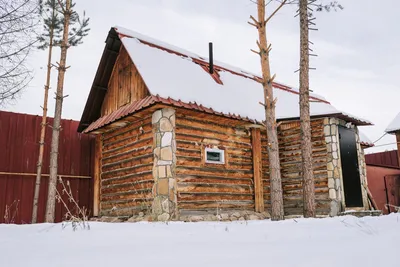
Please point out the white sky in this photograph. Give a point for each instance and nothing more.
(357, 65)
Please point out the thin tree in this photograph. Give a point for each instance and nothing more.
(18, 19)
(52, 25)
(70, 38)
(305, 125)
(277, 212)
(305, 13)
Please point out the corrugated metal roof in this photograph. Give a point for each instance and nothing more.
(150, 100)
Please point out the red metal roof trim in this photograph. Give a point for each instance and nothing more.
(150, 100)
(367, 144)
(119, 113)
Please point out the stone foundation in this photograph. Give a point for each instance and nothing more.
(164, 207)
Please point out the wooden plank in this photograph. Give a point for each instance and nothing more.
(257, 169)
(97, 175)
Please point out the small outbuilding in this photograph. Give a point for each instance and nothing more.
(180, 134)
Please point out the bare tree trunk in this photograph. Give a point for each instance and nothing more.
(51, 197)
(277, 212)
(43, 130)
(306, 145)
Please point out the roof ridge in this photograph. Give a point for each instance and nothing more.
(202, 60)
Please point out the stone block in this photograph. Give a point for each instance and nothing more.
(164, 162)
(165, 125)
(165, 204)
(195, 218)
(172, 196)
(254, 217)
(334, 139)
(163, 217)
(330, 166)
(171, 183)
(328, 139)
(334, 147)
(236, 214)
(169, 171)
(157, 140)
(327, 130)
(332, 193)
(162, 187)
(166, 139)
(336, 173)
(331, 183)
(333, 130)
(172, 119)
(155, 172)
(168, 112)
(337, 184)
(157, 152)
(162, 172)
(156, 116)
(335, 208)
(156, 206)
(223, 217)
(335, 155)
(166, 153)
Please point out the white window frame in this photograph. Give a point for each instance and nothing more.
(220, 151)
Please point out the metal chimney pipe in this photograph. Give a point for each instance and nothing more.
(210, 51)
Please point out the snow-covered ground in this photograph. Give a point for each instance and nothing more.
(340, 241)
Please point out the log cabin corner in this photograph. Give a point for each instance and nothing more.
(177, 134)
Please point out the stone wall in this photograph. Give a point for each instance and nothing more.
(363, 170)
(164, 205)
(335, 179)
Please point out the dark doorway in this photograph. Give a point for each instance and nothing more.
(350, 171)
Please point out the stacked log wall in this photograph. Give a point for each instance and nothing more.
(290, 155)
(209, 187)
(126, 169)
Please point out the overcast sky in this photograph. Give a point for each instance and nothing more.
(357, 65)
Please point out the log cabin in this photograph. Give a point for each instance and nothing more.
(177, 133)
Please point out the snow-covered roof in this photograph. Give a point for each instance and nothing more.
(394, 125)
(364, 140)
(169, 71)
(176, 75)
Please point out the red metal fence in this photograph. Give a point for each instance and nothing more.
(19, 148)
(383, 174)
(387, 158)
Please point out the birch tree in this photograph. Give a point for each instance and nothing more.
(74, 29)
(52, 27)
(18, 19)
(277, 212)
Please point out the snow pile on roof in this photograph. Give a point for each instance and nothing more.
(364, 140)
(340, 241)
(179, 77)
(394, 125)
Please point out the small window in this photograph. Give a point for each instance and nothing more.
(215, 156)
